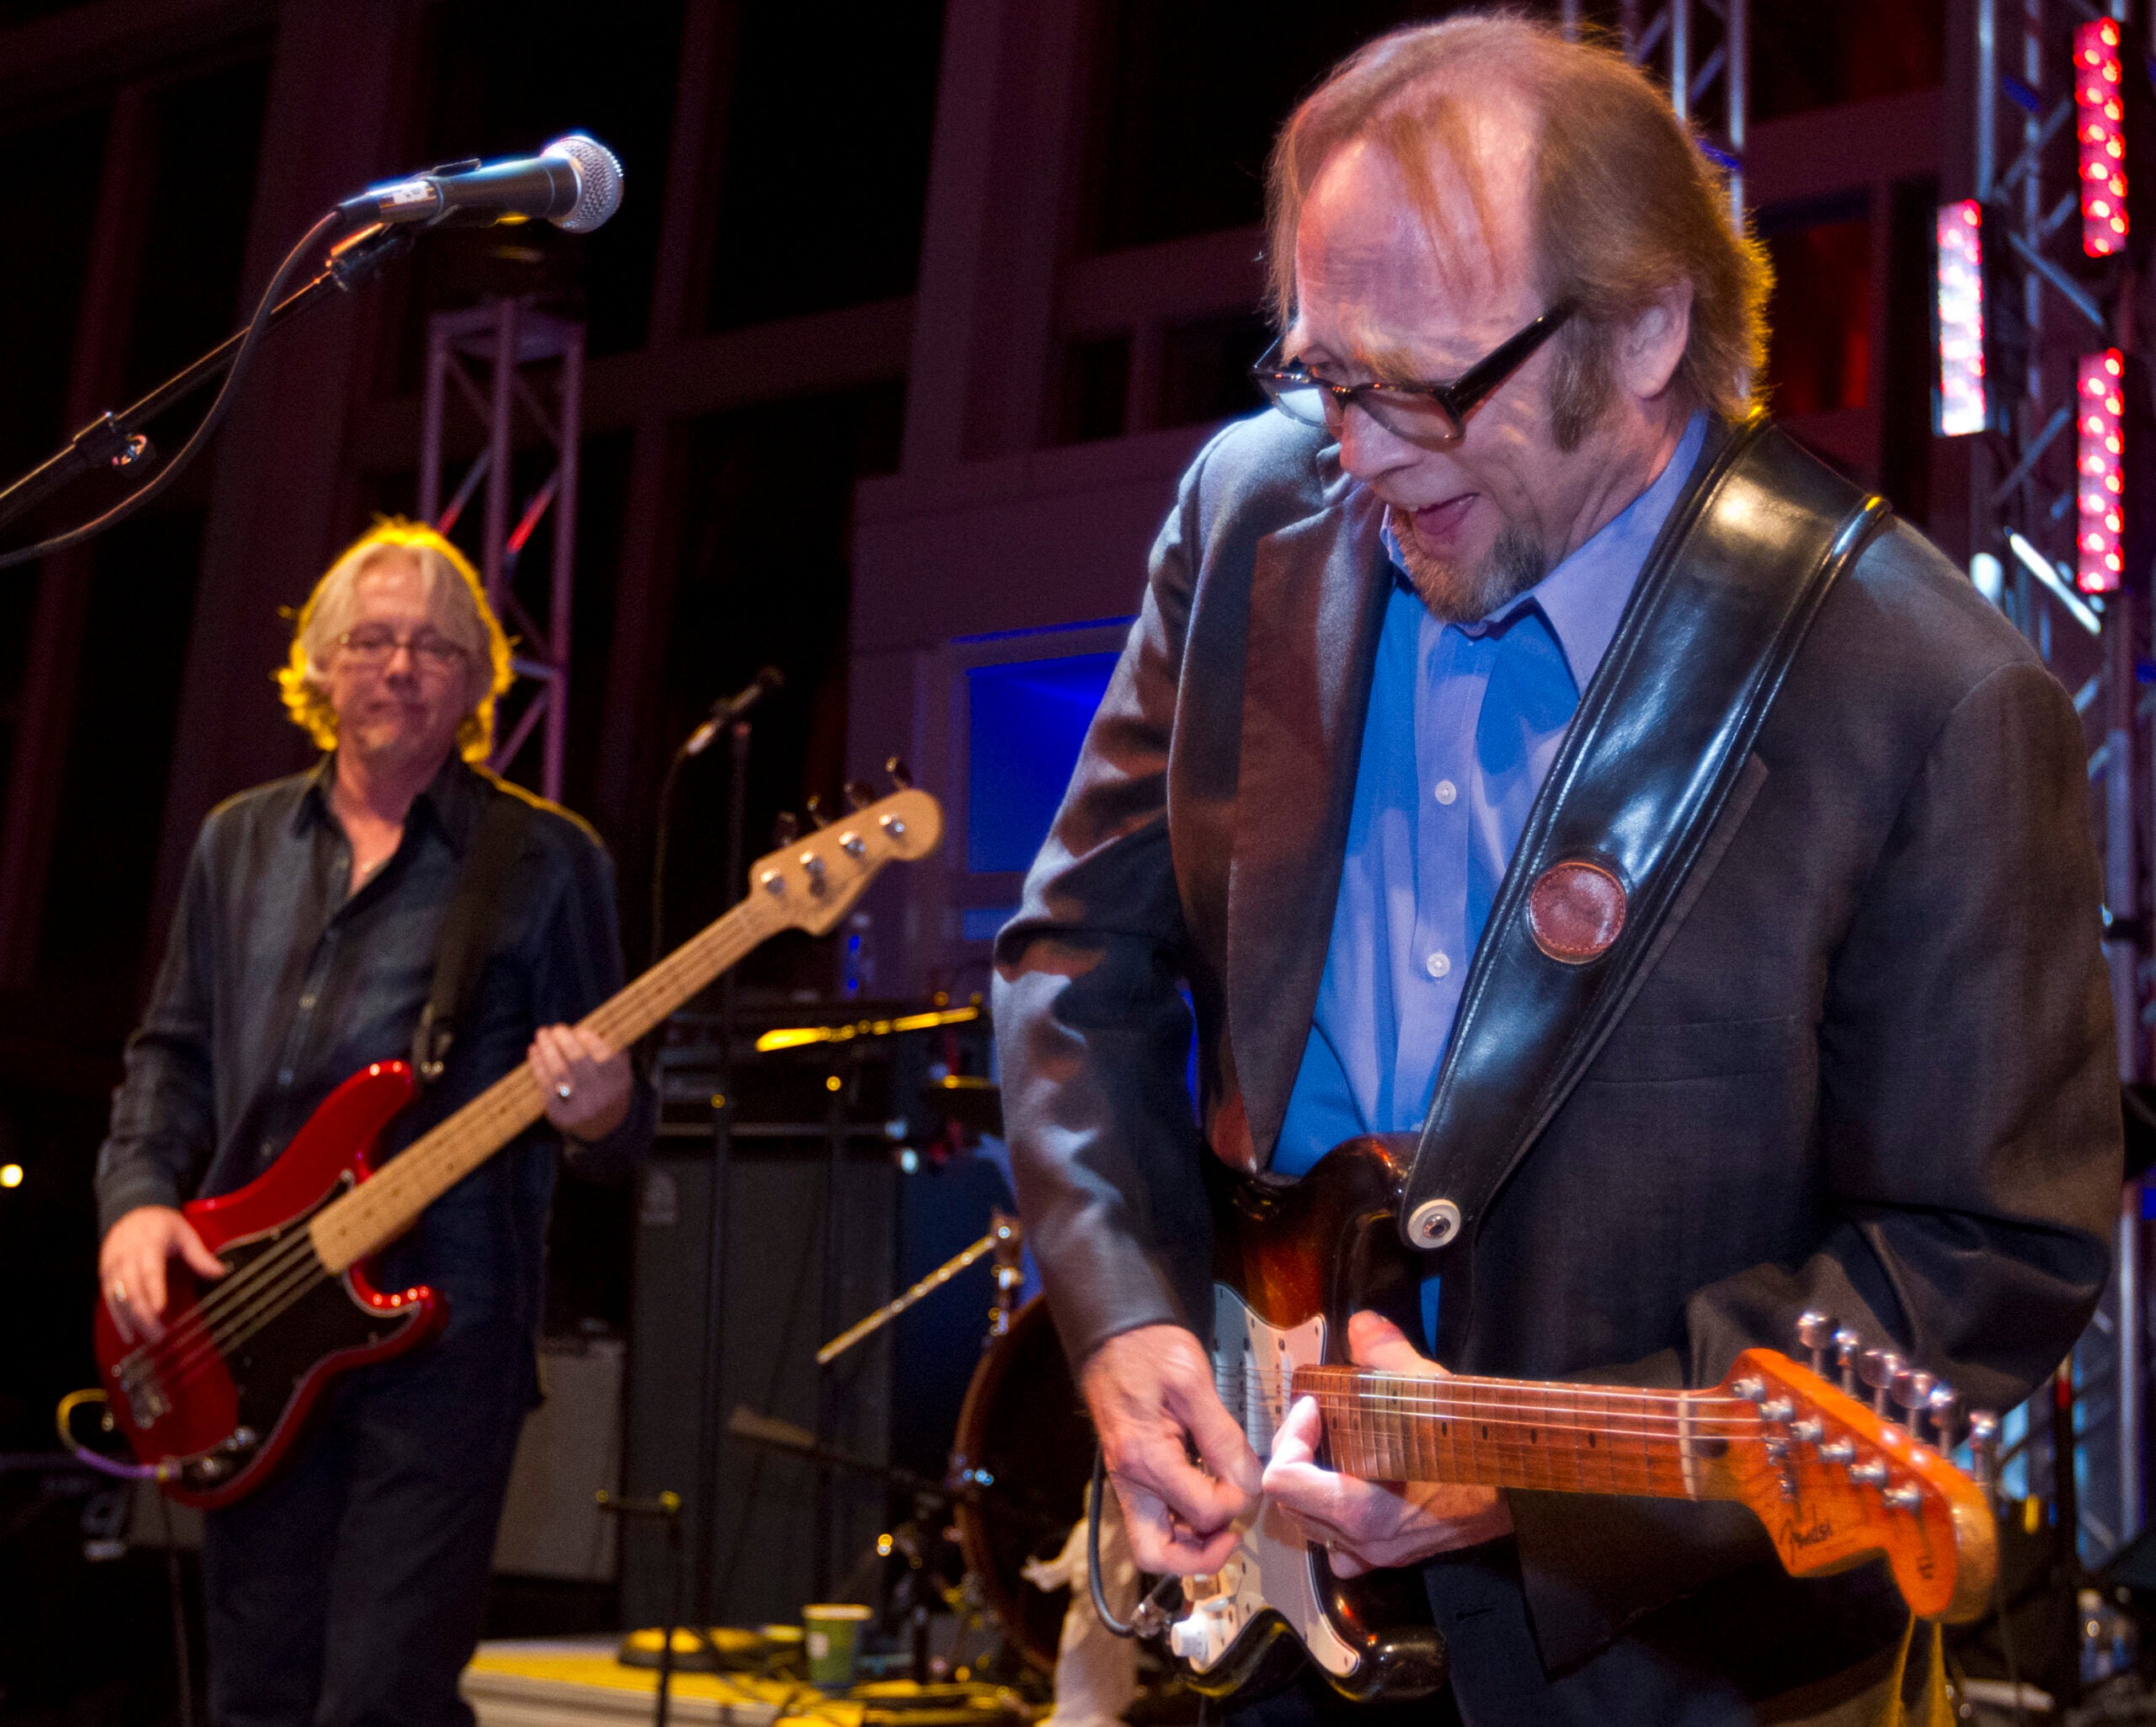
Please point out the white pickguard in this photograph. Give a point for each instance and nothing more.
(1273, 1566)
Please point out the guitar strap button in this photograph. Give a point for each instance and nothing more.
(1433, 1222)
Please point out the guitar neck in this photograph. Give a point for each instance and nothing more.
(1560, 1438)
(376, 1212)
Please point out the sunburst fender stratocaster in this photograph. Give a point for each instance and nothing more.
(223, 1396)
(1834, 1483)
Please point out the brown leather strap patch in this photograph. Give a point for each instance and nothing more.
(1576, 910)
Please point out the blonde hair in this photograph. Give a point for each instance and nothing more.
(1624, 203)
(453, 593)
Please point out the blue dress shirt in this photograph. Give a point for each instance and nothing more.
(1464, 721)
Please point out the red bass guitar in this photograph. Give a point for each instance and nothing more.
(222, 1397)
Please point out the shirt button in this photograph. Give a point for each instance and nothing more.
(285, 1074)
(1447, 791)
(1438, 965)
(306, 1001)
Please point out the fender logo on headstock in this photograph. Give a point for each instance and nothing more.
(1795, 1540)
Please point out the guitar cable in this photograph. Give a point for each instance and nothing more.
(64, 1418)
(1150, 1617)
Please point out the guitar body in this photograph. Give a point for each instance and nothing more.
(221, 1401)
(1832, 1482)
(1290, 1264)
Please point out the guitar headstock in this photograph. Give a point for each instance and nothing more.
(814, 880)
(1837, 1483)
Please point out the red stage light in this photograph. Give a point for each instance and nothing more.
(2100, 116)
(1964, 402)
(2100, 403)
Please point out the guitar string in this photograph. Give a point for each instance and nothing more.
(1512, 1395)
(1336, 1376)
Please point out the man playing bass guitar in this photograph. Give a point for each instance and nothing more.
(1861, 1060)
(348, 1589)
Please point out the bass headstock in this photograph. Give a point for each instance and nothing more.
(812, 881)
(1837, 1483)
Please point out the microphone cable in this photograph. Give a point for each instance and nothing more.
(187, 452)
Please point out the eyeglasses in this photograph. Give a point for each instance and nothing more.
(375, 645)
(1422, 413)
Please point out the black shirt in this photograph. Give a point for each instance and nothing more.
(278, 985)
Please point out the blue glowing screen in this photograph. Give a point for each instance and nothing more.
(1028, 719)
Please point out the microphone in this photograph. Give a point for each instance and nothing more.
(729, 708)
(575, 183)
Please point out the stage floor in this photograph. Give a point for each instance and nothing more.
(570, 1681)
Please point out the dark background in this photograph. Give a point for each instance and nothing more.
(763, 272)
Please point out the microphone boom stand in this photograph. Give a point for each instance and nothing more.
(111, 439)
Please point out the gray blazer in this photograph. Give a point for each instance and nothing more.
(1871, 1069)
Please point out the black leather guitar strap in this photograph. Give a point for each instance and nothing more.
(469, 930)
(1660, 740)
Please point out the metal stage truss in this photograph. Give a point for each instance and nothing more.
(531, 362)
(1701, 51)
(2051, 317)
(2024, 482)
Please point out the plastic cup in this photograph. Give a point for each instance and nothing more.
(831, 1630)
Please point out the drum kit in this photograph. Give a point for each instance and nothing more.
(1019, 1460)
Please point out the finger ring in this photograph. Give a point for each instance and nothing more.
(118, 1291)
(565, 1091)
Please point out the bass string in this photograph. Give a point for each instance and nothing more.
(267, 1286)
(205, 1312)
(303, 1280)
(296, 1276)
(379, 1208)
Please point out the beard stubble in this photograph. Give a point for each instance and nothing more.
(1465, 594)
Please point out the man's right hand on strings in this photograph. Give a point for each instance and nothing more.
(131, 1267)
(1151, 1394)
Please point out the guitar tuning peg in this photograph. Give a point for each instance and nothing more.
(858, 796)
(1983, 1445)
(1911, 1389)
(785, 828)
(1877, 1368)
(814, 803)
(1814, 1332)
(1846, 1344)
(1940, 1406)
(901, 774)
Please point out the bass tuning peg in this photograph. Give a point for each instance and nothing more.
(785, 828)
(857, 795)
(901, 774)
(814, 803)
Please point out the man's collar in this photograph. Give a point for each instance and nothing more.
(1584, 597)
(451, 800)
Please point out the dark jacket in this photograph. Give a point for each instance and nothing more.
(1871, 1070)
